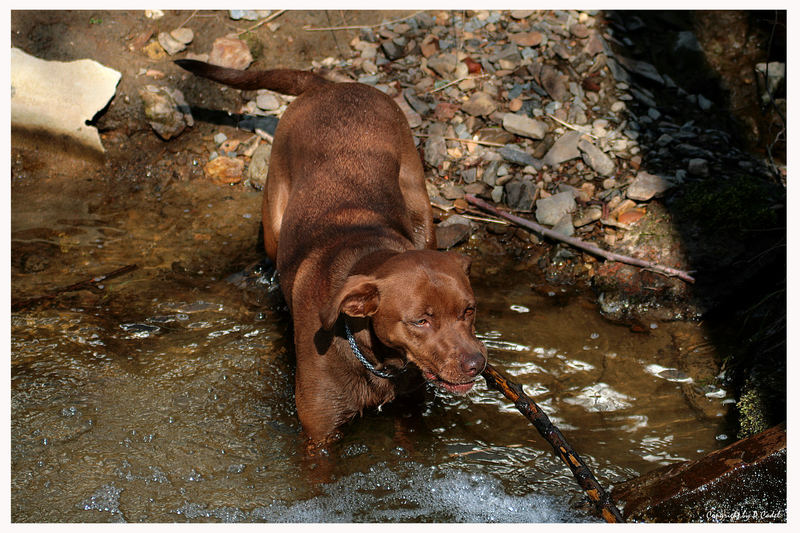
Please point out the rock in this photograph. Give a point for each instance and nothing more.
(429, 45)
(497, 194)
(445, 111)
(170, 44)
(698, 167)
(564, 149)
(642, 68)
(646, 185)
(230, 146)
(166, 110)
(524, 125)
(520, 14)
(519, 157)
(230, 52)
(630, 216)
(443, 64)
(225, 170)
(477, 188)
(154, 51)
(595, 158)
(771, 76)
(392, 50)
(533, 38)
(451, 191)
(579, 30)
(248, 14)
(45, 96)
(418, 105)
(554, 82)
(586, 216)
(259, 166)
(414, 120)
(520, 194)
(454, 230)
(479, 104)
(564, 226)
(435, 150)
(550, 210)
(248, 147)
(267, 101)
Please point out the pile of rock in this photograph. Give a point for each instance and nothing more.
(536, 110)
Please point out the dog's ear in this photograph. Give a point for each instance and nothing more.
(464, 261)
(358, 297)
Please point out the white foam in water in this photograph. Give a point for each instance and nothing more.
(412, 493)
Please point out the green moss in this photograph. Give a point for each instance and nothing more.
(752, 413)
(739, 203)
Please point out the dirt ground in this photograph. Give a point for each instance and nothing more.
(149, 181)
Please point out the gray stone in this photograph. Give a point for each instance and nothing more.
(520, 194)
(479, 104)
(587, 216)
(470, 175)
(519, 157)
(497, 194)
(564, 149)
(450, 235)
(417, 104)
(698, 167)
(392, 50)
(595, 158)
(564, 226)
(524, 125)
(267, 101)
(443, 64)
(259, 165)
(552, 209)
(646, 185)
(490, 173)
(166, 110)
(170, 44)
(451, 191)
(554, 82)
(435, 150)
(642, 68)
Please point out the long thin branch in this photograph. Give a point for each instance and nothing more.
(513, 391)
(586, 246)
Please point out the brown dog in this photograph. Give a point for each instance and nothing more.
(348, 222)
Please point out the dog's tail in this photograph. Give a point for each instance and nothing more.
(285, 81)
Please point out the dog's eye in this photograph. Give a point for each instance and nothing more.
(420, 322)
(469, 311)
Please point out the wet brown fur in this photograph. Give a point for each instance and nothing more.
(348, 222)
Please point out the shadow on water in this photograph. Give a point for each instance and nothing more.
(730, 215)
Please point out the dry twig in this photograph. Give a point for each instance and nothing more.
(586, 246)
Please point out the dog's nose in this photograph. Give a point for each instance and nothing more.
(473, 364)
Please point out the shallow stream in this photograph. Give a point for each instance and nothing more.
(169, 396)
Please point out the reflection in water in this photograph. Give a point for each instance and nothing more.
(176, 409)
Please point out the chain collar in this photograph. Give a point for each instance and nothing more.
(360, 356)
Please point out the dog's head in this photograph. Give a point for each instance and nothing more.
(420, 303)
